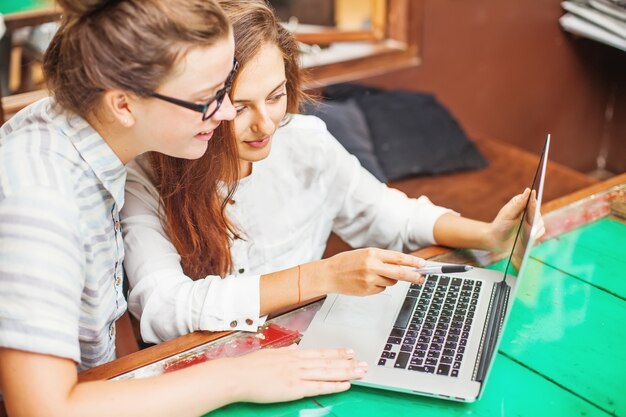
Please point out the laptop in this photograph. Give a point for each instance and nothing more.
(439, 338)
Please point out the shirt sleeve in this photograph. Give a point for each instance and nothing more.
(42, 267)
(167, 302)
(372, 214)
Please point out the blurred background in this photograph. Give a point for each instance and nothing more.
(512, 71)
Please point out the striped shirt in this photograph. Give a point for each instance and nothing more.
(61, 250)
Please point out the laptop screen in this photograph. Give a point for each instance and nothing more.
(528, 227)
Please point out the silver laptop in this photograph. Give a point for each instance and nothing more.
(439, 338)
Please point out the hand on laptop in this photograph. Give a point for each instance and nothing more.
(367, 271)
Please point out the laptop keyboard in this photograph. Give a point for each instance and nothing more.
(431, 331)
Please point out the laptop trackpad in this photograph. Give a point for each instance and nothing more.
(360, 312)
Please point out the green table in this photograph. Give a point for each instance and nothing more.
(562, 354)
(563, 350)
(14, 6)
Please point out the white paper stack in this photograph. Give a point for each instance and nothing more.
(601, 20)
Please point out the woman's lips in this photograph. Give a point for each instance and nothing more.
(258, 143)
(204, 136)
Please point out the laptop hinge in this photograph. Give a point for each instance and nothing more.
(493, 328)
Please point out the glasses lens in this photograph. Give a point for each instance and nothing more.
(214, 105)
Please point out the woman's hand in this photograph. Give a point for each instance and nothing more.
(364, 271)
(286, 374)
(501, 231)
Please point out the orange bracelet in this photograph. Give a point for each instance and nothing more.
(299, 292)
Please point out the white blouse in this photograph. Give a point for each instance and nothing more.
(285, 210)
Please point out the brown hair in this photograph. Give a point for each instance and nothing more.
(195, 193)
(130, 45)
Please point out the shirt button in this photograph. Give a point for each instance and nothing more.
(233, 323)
(112, 330)
(117, 226)
(118, 280)
(249, 322)
(242, 270)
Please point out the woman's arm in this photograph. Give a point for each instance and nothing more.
(460, 232)
(171, 304)
(37, 385)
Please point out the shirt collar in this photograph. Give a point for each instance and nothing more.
(98, 155)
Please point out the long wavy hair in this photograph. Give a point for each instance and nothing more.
(195, 193)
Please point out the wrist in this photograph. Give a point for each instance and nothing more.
(486, 239)
(233, 389)
(314, 279)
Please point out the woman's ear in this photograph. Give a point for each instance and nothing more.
(117, 102)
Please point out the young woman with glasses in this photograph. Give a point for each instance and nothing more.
(213, 245)
(113, 68)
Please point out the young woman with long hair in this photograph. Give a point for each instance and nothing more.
(126, 77)
(213, 244)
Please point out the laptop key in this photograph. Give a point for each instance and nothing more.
(435, 346)
(402, 321)
(461, 349)
(406, 348)
(446, 359)
(385, 355)
(431, 361)
(388, 346)
(459, 357)
(381, 362)
(463, 342)
(421, 346)
(403, 360)
(394, 340)
(457, 365)
(417, 361)
(395, 332)
(420, 353)
(448, 352)
(450, 345)
(454, 373)
(443, 369)
(438, 339)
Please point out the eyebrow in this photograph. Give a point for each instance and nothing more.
(279, 86)
(209, 89)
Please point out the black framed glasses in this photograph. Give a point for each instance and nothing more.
(211, 107)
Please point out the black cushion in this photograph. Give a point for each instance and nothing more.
(412, 133)
(346, 122)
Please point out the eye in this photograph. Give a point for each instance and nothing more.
(276, 97)
(240, 110)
